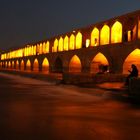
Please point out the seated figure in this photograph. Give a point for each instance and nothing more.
(133, 73)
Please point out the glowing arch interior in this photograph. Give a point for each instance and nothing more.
(116, 32)
(75, 64)
(132, 58)
(95, 37)
(98, 63)
(45, 65)
(105, 35)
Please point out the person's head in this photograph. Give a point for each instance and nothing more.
(133, 66)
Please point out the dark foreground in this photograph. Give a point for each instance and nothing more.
(36, 110)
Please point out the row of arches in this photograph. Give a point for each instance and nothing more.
(22, 65)
(77, 39)
(114, 34)
(98, 64)
(105, 35)
(74, 42)
(101, 37)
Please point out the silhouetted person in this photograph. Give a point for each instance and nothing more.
(133, 73)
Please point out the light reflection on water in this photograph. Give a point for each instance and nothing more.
(38, 112)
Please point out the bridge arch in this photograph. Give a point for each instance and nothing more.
(58, 65)
(95, 37)
(28, 65)
(75, 64)
(45, 65)
(99, 64)
(36, 65)
(60, 44)
(66, 43)
(105, 35)
(9, 64)
(17, 65)
(55, 46)
(72, 42)
(22, 65)
(6, 64)
(12, 64)
(132, 58)
(116, 32)
(79, 40)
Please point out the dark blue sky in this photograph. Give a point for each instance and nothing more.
(26, 21)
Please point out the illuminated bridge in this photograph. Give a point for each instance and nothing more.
(111, 46)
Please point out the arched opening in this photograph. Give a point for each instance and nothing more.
(9, 64)
(132, 58)
(60, 45)
(116, 32)
(17, 65)
(40, 48)
(55, 46)
(13, 64)
(58, 65)
(6, 64)
(35, 50)
(45, 65)
(78, 40)
(75, 64)
(47, 47)
(28, 65)
(95, 37)
(105, 35)
(66, 43)
(22, 66)
(72, 42)
(131, 34)
(36, 65)
(99, 64)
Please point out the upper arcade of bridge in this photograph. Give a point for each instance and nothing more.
(121, 29)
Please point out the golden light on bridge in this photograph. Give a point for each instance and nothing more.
(22, 65)
(36, 65)
(17, 64)
(28, 65)
(55, 46)
(72, 42)
(60, 45)
(75, 64)
(105, 35)
(9, 64)
(45, 65)
(132, 58)
(66, 43)
(116, 32)
(95, 37)
(98, 61)
(78, 40)
(87, 43)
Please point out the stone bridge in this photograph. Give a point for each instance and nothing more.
(109, 46)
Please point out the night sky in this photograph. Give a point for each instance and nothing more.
(27, 21)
